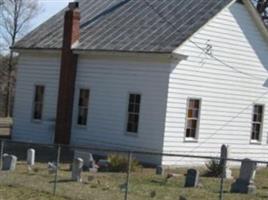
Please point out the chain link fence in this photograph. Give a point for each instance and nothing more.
(117, 174)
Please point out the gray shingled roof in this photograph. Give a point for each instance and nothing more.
(129, 25)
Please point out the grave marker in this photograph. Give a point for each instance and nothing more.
(87, 157)
(192, 178)
(227, 173)
(77, 169)
(52, 168)
(30, 158)
(245, 182)
(160, 170)
(9, 162)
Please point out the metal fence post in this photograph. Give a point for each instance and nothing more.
(223, 162)
(128, 174)
(222, 180)
(1, 153)
(57, 166)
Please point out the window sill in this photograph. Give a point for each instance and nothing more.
(193, 140)
(81, 126)
(37, 121)
(131, 134)
(255, 142)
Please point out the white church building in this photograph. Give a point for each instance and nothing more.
(171, 76)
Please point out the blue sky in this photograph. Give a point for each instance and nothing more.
(49, 8)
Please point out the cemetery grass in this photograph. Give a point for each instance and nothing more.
(10, 192)
(144, 184)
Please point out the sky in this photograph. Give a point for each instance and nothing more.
(49, 8)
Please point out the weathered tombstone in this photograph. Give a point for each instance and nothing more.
(77, 169)
(9, 162)
(30, 158)
(87, 157)
(245, 182)
(93, 170)
(227, 173)
(192, 178)
(160, 170)
(52, 167)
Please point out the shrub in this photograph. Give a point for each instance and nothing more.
(214, 168)
(119, 163)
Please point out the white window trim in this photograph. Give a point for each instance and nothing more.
(253, 141)
(196, 138)
(77, 108)
(132, 134)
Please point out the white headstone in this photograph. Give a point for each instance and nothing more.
(52, 167)
(77, 169)
(227, 173)
(30, 157)
(87, 157)
(9, 162)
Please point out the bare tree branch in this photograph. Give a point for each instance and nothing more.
(15, 16)
(262, 8)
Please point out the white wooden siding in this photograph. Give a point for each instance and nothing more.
(32, 70)
(110, 82)
(227, 95)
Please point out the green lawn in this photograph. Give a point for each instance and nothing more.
(144, 184)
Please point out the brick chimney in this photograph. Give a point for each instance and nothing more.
(71, 32)
(68, 67)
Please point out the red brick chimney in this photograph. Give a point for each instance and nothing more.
(68, 67)
(71, 25)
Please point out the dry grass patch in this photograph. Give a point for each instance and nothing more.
(144, 184)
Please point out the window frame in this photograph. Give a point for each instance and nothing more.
(33, 103)
(78, 107)
(134, 134)
(259, 141)
(192, 139)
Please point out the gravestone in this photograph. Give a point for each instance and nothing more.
(52, 167)
(192, 178)
(160, 170)
(245, 182)
(88, 159)
(9, 162)
(30, 158)
(77, 169)
(227, 173)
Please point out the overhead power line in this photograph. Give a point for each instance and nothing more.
(204, 50)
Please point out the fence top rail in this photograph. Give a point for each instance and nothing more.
(114, 150)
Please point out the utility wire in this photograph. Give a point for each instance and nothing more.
(223, 63)
(199, 47)
(231, 120)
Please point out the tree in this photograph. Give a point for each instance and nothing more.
(261, 6)
(15, 18)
